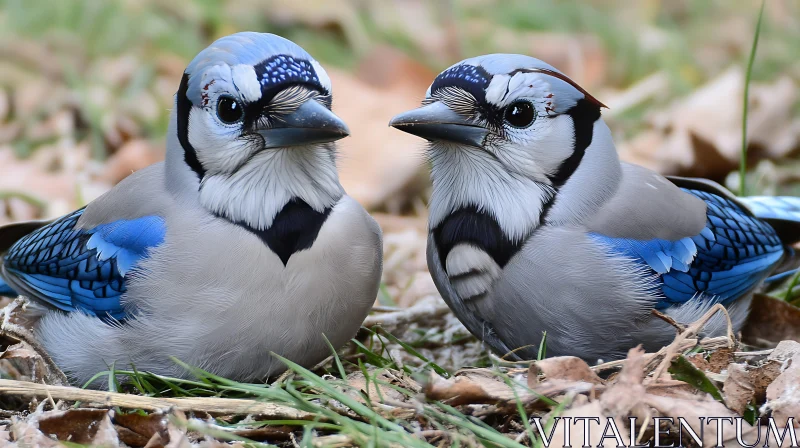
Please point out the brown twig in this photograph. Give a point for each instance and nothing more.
(419, 311)
(108, 399)
(692, 330)
(668, 320)
(708, 344)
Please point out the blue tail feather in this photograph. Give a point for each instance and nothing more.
(782, 276)
(774, 207)
(781, 212)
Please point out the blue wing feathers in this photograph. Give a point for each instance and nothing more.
(72, 268)
(774, 207)
(127, 241)
(729, 257)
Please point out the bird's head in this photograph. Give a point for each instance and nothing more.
(523, 123)
(252, 130)
(248, 93)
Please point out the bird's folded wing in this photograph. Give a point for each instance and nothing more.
(728, 257)
(648, 206)
(72, 268)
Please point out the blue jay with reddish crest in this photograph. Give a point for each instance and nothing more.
(536, 226)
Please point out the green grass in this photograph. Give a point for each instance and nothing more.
(746, 106)
(369, 423)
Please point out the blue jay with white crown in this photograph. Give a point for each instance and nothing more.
(536, 226)
(241, 243)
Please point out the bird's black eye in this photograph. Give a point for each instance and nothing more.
(229, 110)
(520, 114)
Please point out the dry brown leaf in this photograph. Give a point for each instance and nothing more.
(378, 393)
(771, 320)
(266, 433)
(177, 437)
(673, 388)
(131, 438)
(26, 433)
(700, 135)
(5, 438)
(472, 386)
(738, 388)
(621, 399)
(75, 425)
(568, 368)
(142, 427)
(695, 412)
(600, 431)
(20, 350)
(718, 360)
(783, 395)
(105, 434)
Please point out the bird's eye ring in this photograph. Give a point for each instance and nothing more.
(229, 110)
(520, 114)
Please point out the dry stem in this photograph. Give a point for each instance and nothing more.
(108, 399)
(419, 311)
(671, 350)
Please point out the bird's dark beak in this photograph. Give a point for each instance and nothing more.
(310, 123)
(437, 122)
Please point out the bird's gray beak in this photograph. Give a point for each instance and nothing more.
(437, 122)
(310, 123)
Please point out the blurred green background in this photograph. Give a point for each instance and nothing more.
(86, 86)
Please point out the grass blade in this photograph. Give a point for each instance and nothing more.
(542, 347)
(743, 161)
(412, 351)
(338, 361)
(682, 369)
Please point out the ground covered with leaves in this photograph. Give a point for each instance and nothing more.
(85, 93)
(382, 391)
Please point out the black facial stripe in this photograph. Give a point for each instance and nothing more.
(295, 228)
(470, 225)
(583, 114)
(184, 109)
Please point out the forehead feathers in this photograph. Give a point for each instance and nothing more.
(498, 79)
(254, 63)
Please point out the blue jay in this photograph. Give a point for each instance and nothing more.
(536, 226)
(241, 243)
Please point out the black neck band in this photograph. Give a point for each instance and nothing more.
(295, 228)
(473, 226)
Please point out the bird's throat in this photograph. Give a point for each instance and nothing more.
(476, 227)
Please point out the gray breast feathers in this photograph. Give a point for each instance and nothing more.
(465, 309)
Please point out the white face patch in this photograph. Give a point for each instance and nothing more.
(324, 80)
(504, 89)
(497, 88)
(218, 147)
(246, 82)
